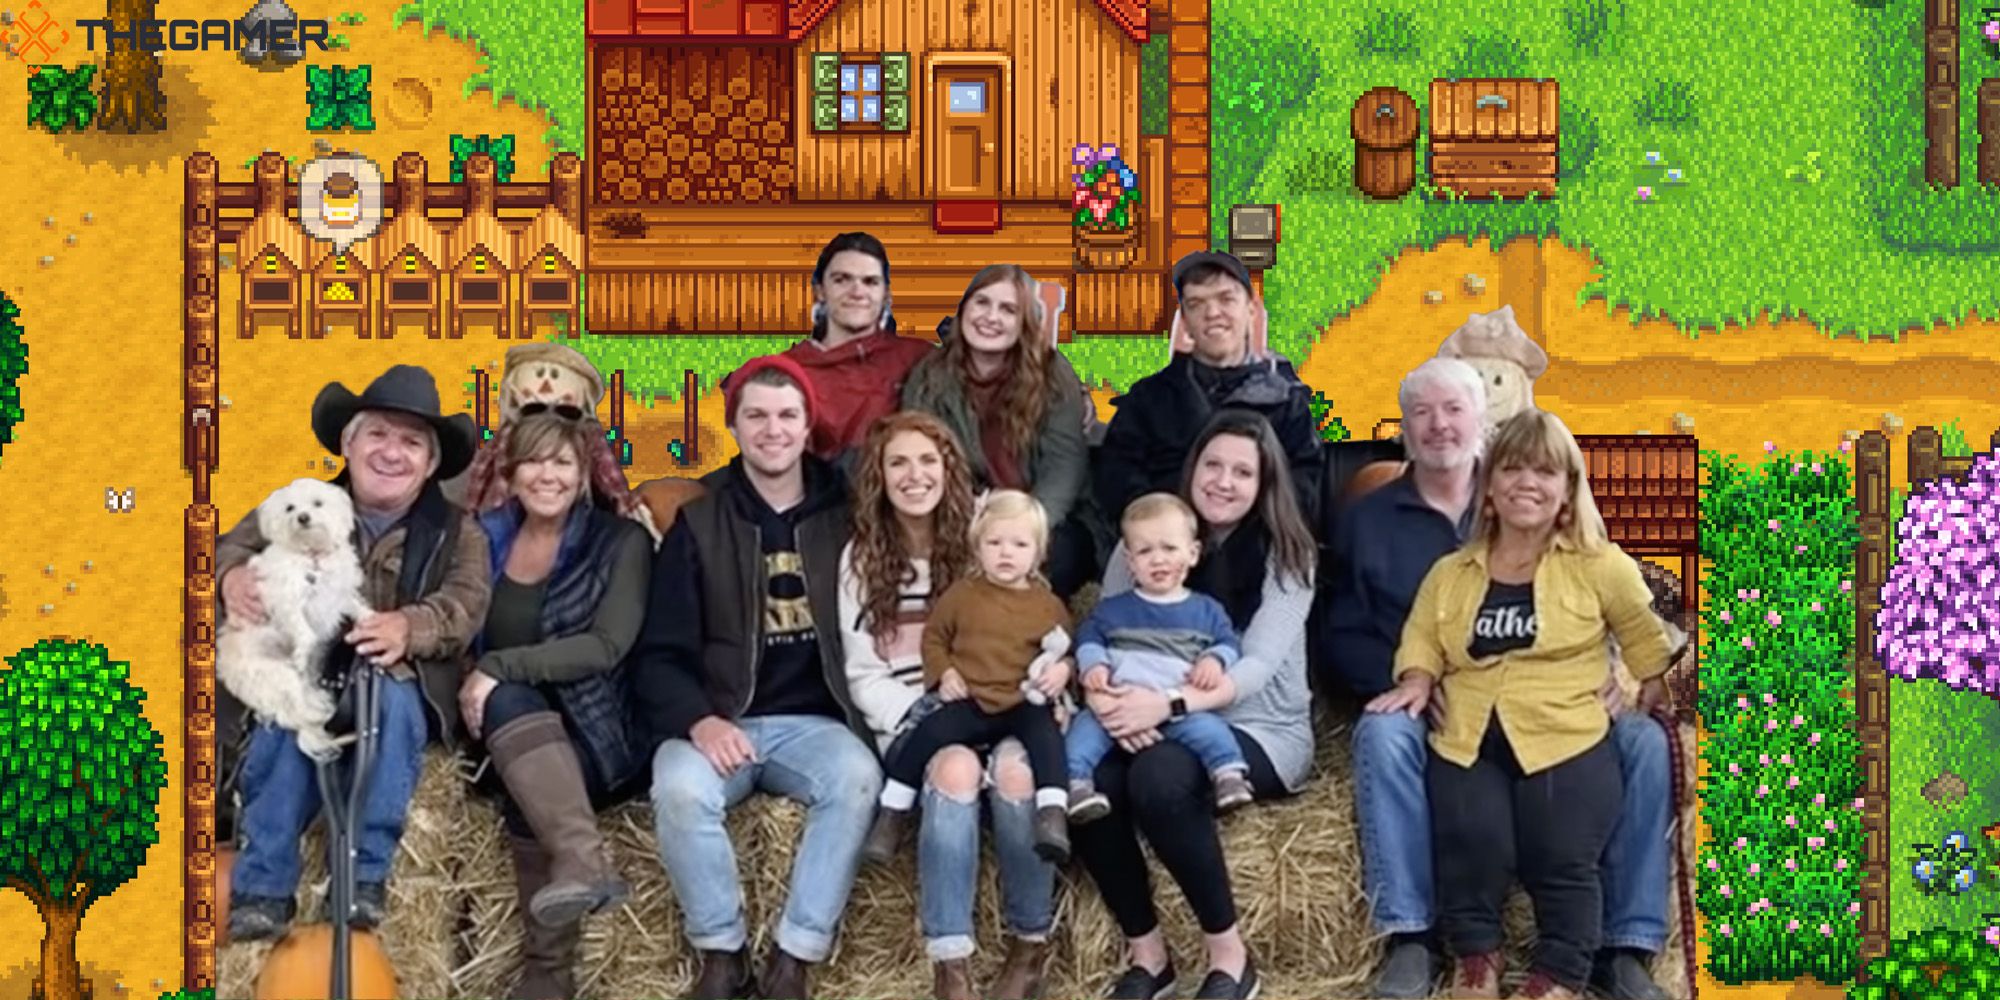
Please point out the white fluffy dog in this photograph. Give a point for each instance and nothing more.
(309, 579)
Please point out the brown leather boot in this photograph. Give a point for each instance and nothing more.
(784, 977)
(544, 777)
(953, 980)
(1021, 975)
(725, 975)
(548, 954)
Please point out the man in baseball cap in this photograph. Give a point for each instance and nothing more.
(1219, 362)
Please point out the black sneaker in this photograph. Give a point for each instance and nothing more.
(1138, 984)
(1622, 974)
(259, 918)
(1409, 972)
(367, 907)
(1218, 985)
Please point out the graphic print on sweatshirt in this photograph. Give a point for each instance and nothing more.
(1506, 620)
(787, 615)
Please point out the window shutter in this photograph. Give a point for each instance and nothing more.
(826, 91)
(826, 112)
(896, 92)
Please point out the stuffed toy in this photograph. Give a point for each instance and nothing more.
(1507, 360)
(553, 375)
(1055, 646)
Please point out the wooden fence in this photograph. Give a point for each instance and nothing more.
(1941, 97)
(1871, 682)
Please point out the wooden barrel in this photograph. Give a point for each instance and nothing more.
(1106, 250)
(1989, 131)
(1385, 143)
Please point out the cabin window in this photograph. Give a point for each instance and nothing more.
(861, 91)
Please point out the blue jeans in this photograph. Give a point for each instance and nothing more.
(1205, 733)
(281, 796)
(948, 867)
(813, 760)
(1391, 755)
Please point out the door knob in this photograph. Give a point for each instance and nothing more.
(988, 148)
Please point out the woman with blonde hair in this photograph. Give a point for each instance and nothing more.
(1523, 779)
(1016, 407)
(911, 541)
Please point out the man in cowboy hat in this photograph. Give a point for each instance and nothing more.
(425, 570)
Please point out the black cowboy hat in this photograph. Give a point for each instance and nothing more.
(403, 389)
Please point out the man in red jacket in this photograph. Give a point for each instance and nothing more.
(854, 358)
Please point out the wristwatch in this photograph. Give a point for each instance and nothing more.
(1176, 705)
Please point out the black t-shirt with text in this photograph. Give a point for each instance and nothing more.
(1506, 620)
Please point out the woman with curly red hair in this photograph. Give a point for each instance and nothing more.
(912, 503)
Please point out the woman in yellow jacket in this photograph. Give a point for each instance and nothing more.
(1505, 646)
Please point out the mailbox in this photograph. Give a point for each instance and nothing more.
(1253, 235)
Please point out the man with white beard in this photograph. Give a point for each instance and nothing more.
(1383, 545)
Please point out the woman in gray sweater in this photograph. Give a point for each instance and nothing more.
(1257, 559)
(548, 695)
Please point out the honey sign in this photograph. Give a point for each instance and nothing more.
(340, 199)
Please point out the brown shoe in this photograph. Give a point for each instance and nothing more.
(885, 838)
(1052, 834)
(953, 980)
(725, 975)
(1477, 977)
(784, 977)
(1021, 977)
(544, 777)
(1232, 791)
(548, 954)
(1542, 986)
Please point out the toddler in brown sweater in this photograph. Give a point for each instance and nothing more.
(979, 642)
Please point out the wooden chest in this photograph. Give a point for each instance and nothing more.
(1494, 138)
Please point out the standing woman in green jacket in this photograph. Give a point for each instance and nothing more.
(548, 695)
(1017, 409)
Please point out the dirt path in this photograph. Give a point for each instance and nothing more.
(103, 393)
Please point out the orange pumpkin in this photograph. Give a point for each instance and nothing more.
(664, 498)
(225, 863)
(301, 967)
(1372, 476)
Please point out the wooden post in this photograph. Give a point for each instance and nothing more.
(1926, 455)
(479, 179)
(1871, 687)
(199, 456)
(566, 189)
(618, 403)
(1941, 92)
(271, 179)
(690, 419)
(1187, 128)
(410, 180)
(480, 407)
(1989, 131)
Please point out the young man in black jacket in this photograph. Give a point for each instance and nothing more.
(739, 679)
(1148, 439)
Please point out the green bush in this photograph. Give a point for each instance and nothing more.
(206, 992)
(500, 147)
(1670, 103)
(1391, 34)
(338, 97)
(13, 365)
(1952, 442)
(1590, 23)
(61, 98)
(1779, 876)
(1330, 426)
(1970, 962)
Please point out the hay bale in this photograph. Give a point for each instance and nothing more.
(418, 930)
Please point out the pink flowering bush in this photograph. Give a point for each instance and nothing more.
(1779, 879)
(1940, 614)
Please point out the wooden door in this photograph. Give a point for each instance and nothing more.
(968, 134)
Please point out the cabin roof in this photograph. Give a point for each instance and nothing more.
(712, 22)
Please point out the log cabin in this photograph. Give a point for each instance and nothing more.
(730, 139)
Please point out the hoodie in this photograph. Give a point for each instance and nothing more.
(858, 383)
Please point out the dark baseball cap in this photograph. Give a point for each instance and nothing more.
(1227, 262)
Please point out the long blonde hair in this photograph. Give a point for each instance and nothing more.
(1536, 439)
